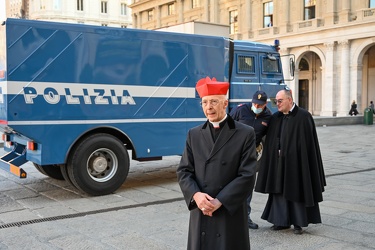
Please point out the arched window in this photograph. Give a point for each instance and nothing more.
(303, 65)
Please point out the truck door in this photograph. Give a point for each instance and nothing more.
(270, 70)
(271, 76)
(245, 77)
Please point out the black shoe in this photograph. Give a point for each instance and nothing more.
(277, 228)
(297, 230)
(252, 224)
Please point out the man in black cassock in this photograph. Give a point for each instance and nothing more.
(216, 172)
(291, 169)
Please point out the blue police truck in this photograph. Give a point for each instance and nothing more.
(75, 98)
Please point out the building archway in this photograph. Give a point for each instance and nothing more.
(363, 73)
(309, 85)
(368, 77)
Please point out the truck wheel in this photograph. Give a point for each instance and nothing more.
(64, 172)
(99, 164)
(53, 171)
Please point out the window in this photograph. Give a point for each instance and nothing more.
(194, 4)
(372, 4)
(80, 5)
(104, 24)
(42, 5)
(104, 7)
(150, 15)
(245, 64)
(123, 9)
(309, 9)
(171, 9)
(123, 26)
(270, 65)
(57, 4)
(303, 65)
(268, 14)
(233, 22)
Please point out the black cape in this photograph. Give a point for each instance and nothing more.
(297, 171)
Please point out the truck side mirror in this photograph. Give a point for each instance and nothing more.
(292, 66)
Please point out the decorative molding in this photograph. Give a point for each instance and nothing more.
(344, 44)
(330, 46)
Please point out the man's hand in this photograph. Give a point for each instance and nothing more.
(259, 151)
(217, 204)
(206, 203)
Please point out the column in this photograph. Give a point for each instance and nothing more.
(158, 16)
(284, 7)
(344, 86)
(328, 84)
(214, 11)
(180, 6)
(345, 11)
(357, 86)
(135, 21)
(207, 11)
(248, 19)
(329, 12)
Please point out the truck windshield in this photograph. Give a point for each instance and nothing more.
(270, 66)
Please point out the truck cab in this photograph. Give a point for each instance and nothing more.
(256, 66)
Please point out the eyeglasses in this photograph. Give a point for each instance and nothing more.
(212, 102)
(278, 101)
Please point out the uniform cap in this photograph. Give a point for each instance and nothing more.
(259, 97)
(207, 86)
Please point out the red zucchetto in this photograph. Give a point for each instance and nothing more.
(206, 86)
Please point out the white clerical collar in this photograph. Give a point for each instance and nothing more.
(217, 124)
(290, 111)
(294, 104)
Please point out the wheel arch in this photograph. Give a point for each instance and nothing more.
(123, 137)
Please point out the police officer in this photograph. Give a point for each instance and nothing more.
(257, 115)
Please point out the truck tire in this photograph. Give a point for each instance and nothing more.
(99, 164)
(64, 172)
(53, 171)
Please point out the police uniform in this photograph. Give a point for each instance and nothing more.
(244, 114)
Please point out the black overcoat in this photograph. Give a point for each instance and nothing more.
(297, 171)
(225, 170)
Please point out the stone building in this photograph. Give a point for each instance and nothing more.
(114, 13)
(333, 41)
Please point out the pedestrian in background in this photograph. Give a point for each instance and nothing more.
(257, 115)
(291, 169)
(216, 172)
(353, 109)
(372, 107)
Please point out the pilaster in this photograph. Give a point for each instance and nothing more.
(344, 14)
(329, 13)
(344, 83)
(180, 6)
(327, 91)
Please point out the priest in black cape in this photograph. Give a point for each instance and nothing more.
(291, 169)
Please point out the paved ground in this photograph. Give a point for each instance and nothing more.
(147, 212)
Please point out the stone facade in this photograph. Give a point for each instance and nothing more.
(114, 13)
(333, 41)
